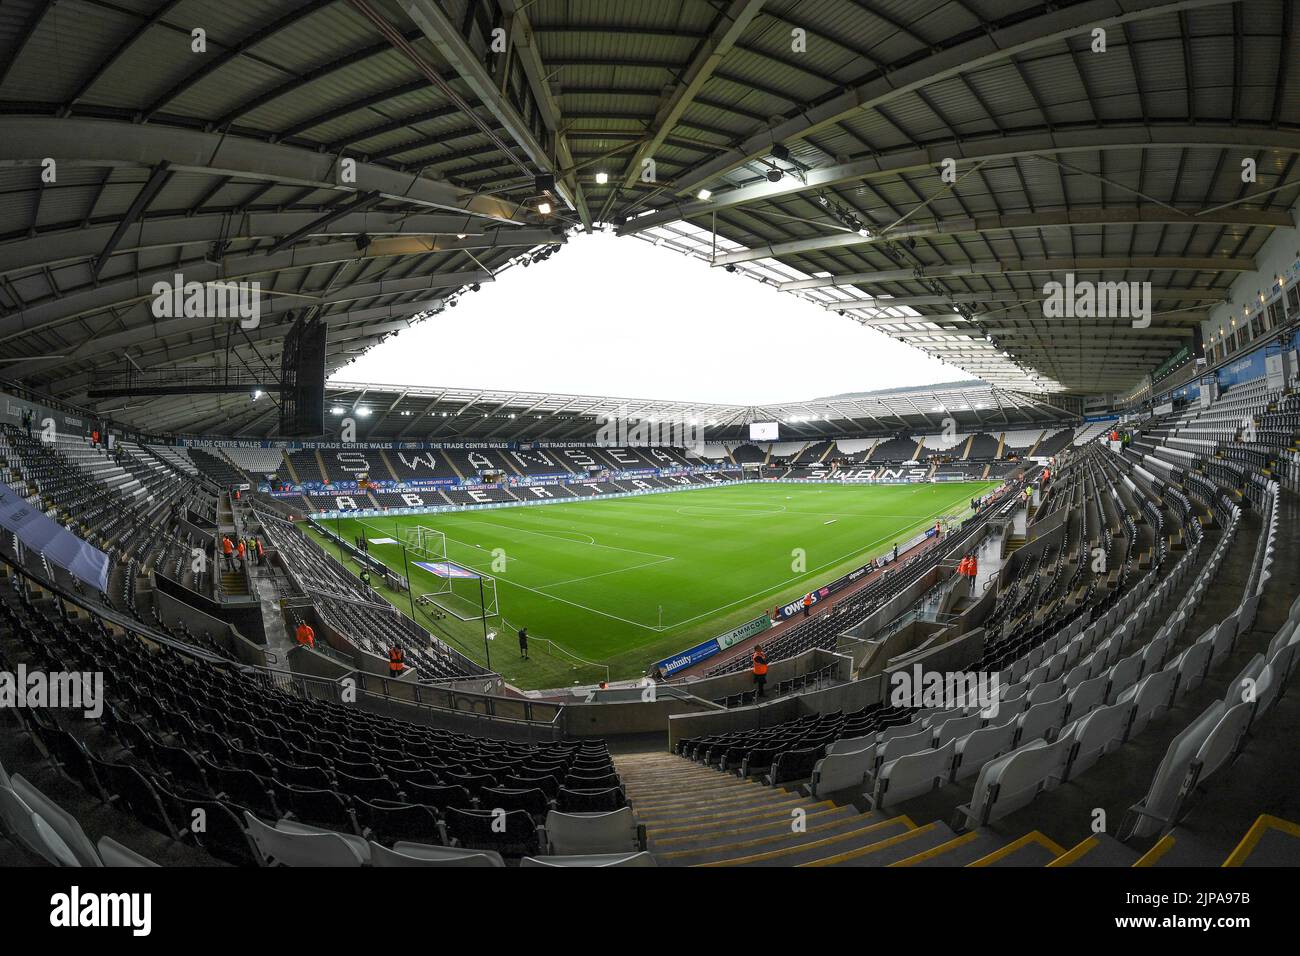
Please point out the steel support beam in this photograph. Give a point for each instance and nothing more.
(1054, 25)
(74, 142)
(1073, 218)
(1012, 146)
(520, 31)
(52, 248)
(729, 28)
(455, 49)
(1022, 266)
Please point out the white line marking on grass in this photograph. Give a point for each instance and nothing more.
(546, 534)
(550, 597)
(601, 574)
(693, 511)
(649, 627)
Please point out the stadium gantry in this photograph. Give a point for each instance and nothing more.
(1046, 614)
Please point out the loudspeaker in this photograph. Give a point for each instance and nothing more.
(302, 380)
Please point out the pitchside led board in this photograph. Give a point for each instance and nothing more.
(763, 431)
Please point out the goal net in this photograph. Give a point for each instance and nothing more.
(452, 588)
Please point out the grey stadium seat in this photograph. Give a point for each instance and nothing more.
(297, 845)
(586, 833)
(419, 854)
(114, 854)
(593, 859)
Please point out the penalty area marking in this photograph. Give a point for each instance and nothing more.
(553, 597)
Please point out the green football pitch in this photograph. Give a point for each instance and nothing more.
(608, 586)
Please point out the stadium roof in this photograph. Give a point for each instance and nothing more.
(367, 160)
(383, 412)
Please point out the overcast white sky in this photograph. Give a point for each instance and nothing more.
(620, 317)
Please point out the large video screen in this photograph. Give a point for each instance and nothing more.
(763, 431)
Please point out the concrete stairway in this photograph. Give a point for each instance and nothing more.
(697, 816)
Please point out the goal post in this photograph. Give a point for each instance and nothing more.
(462, 592)
(465, 594)
(426, 543)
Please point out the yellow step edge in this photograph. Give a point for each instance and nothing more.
(872, 847)
(815, 845)
(665, 809)
(1031, 837)
(684, 785)
(1159, 849)
(676, 785)
(1262, 825)
(744, 796)
(755, 841)
(687, 794)
(660, 841)
(648, 819)
(1076, 852)
(942, 848)
(724, 817)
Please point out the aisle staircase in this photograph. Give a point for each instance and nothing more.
(233, 584)
(696, 816)
(1012, 543)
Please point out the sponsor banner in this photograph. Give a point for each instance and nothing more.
(329, 445)
(348, 488)
(743, 633)
(46, 536)
(797, 606)
(13, 409)
(1169, 364)
(445, 569)
(839, 584)
(700, 652)
(1275, 369)
(1243, 370)
(383, 485)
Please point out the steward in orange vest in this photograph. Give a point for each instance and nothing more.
(306, 636)
(395, 661)
(760, 668)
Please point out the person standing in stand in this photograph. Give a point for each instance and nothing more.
(759, 661)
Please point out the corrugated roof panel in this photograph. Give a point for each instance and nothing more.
(67, 46)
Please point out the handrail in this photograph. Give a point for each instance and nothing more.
(288, 681)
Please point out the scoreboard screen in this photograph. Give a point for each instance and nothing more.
(763, 431)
